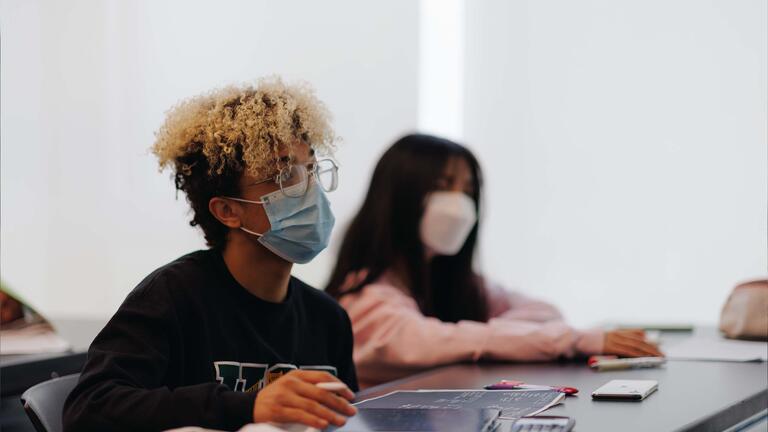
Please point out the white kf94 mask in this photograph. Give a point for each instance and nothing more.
(447, 221)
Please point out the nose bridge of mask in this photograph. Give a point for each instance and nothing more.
(289, 211)
(280, 194)
(455, 205)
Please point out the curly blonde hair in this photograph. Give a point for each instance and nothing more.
(248, 120)
(209, 141)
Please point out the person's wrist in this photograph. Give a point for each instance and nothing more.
(258, 415)
(238, 408)
(592, 341)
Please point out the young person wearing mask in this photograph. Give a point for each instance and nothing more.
(226, 336)
(404, 274)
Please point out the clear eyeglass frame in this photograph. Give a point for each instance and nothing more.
(324, 170)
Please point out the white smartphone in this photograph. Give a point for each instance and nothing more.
(626, 390)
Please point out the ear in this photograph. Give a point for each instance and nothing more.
(226, 211)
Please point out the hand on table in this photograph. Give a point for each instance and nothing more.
(629, 343)
(294, 398)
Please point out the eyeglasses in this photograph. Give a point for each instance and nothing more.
(293, 179)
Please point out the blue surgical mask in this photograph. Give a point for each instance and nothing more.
(300, 227)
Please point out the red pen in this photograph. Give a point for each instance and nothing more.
(596, 358)
(519, 385)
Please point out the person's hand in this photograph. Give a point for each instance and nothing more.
(629, 343)
(353, 279)
(294, 398)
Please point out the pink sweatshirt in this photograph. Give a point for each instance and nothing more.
(394, 339)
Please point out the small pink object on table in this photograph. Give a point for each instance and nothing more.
(519, 385)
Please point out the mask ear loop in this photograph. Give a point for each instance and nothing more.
(244, 200)
(249, 202)
(252, 232)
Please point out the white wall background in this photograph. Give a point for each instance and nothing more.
(441, 67)
(624, 142)
(625, 149)
(85, 213)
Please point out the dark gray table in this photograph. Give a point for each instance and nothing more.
(701, 396)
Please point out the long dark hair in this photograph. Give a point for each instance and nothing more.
(385, 232)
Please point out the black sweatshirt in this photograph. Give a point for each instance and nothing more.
(191, 347)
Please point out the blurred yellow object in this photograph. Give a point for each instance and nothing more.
(13, 308)
(10, 308)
